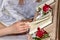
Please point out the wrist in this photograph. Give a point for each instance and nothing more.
(13, 30)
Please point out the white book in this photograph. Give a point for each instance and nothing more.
(44, 21)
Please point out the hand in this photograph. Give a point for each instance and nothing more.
(20, 27)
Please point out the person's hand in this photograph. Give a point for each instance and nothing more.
(20, 27)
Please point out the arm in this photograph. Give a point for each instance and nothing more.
(6, 31)
(16, 28)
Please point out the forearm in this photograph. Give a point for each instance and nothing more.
(18, 27)
(6, 31)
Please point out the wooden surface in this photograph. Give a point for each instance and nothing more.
(58, 21)
(52, 28)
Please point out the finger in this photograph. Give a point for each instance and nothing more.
(22, 24)
(22, 28)
(19, 23)
(27, 24)
(25, 27)
(23, 31)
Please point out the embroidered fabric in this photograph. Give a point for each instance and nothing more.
(13, 11)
